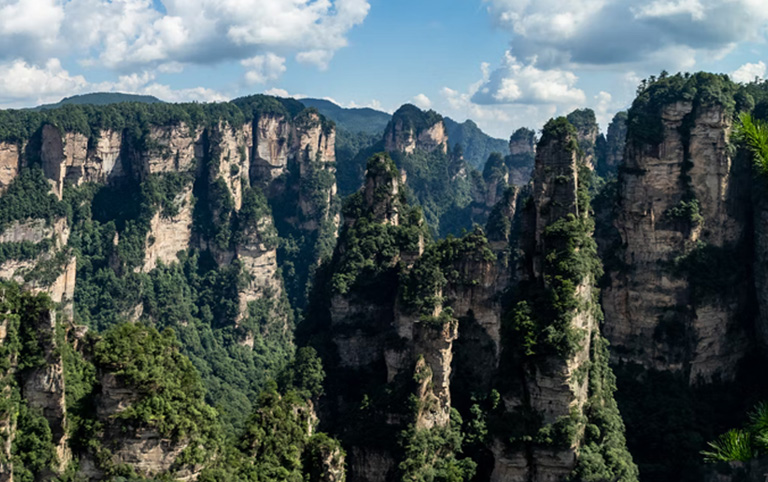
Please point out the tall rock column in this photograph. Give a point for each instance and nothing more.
(676, 300)
(557, 382)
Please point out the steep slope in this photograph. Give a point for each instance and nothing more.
(680, 304)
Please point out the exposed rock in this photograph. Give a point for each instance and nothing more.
(332, 466)
(615, 143)
(587, 133)
(10, 163)
(522, 152)
(72, 158)
(411, 129)
(692, 163)
(43, 387)
(551, 383)
(372, 465)
(172, 148)
(145, 450)
(271, 148)
(169, 234)
(382, 191)
(235, 147)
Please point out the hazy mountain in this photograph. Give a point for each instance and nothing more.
(101, 98)
(476, 144)
(364, 119)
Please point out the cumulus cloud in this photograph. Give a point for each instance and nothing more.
(29, 27)
(600, 32)
(20, 80)
(23, 84)
(525, 83)
(263, 68)
(422, 101)
(131, 34)
(749, 72)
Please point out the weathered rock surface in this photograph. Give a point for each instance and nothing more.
(648, 299)
(10, 163)
(403, 136)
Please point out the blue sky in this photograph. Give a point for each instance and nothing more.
(503, 63)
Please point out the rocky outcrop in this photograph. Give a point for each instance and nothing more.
(682, 202)
(10, 163)
(171, 148)
(587, 133)
(169, 234)
(271, 134)
(550, 387)
(315, 155)
(616, 137)
(43, 387)
(555, 381)
(59, 279)
(522, 152)
(72, 158)
(412, 129)
(235, 145)
(143, 449)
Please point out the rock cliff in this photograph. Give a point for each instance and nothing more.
(410, 129)
(553, 343)
(136, 202)
(522, 151)
(682, 206)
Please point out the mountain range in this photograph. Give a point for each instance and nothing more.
(248, 291)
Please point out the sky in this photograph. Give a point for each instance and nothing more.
(503, 63)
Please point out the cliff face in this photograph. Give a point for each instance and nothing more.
(381, 341)
(553, 343)
(522, 152)
(444, 328)
(681, 202)
(10, 162)
(405, 135)
(130, 205)
(614, 149)
(587, 134)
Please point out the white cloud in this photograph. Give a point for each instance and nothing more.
(749, 72)
(318, 58)
(278, 92)
(263, 68)
(422, 101)
(194, 94)
(667, 8)
(130, 35)
(611, 32)
(28, 27)
(23, 84)
(525, 83)
(20, 80)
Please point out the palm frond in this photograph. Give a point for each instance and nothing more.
(733, 446)
(754, 134)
